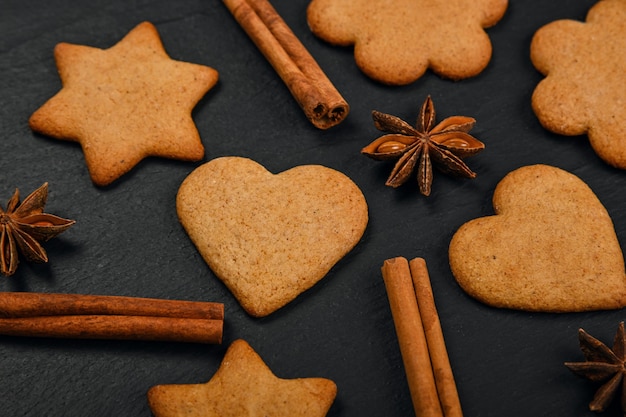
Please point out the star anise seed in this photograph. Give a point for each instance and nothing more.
(424, 145)
(23, 227)
(603, 365)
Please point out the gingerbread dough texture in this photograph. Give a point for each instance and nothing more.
(395, 42)
(550, 247)
(270, 237)
(244, 386)
(125, 103)
(583, 89)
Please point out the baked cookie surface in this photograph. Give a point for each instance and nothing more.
(244, 386)
(270, 237)
(125, 103)
(396, 42)
(550, 246)
(583, 89)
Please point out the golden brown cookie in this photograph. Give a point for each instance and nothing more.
(395, 43)
(270, 237)
(583, 91)
(125, 103)
(550, 246)
(244, 386)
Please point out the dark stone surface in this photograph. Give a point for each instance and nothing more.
(127, 239)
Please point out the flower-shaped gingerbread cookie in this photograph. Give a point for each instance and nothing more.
(550, 246)
(583, 91)
(395, 42)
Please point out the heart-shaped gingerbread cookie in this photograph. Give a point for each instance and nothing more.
(551, 246)
(270, 237)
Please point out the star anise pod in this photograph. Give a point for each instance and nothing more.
(424, 145)
(603, 365)
(24, 227)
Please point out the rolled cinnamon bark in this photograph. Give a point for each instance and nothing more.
(319, 99)
(115, 328)
(109, 317)
(444, 378)
(28, 304)
(411, 337)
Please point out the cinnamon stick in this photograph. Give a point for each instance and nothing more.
(444, 378)
(110, 327)
(110, 317)
(28, 304)
(411, 337)
(321, 102)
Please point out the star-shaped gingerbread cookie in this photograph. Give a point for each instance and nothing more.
(244, 386)
(125, 103)
(395, 42)
(583, 89)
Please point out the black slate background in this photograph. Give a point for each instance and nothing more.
(127, 240)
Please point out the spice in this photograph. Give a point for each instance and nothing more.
(420, 338)
(424, 145)
(146, 328)
(444, 378)
(603, 365)
(321, 102)
(110, 317)
(23, 227)
(31, 304)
